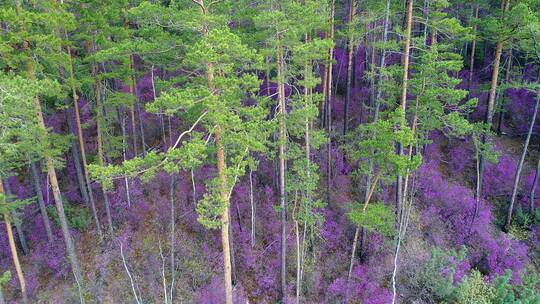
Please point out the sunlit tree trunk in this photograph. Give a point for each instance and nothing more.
(13, 250)
(18, 224)
(406, 54)
(82, 147)
(222, 179)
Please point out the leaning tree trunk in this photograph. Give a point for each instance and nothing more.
(520, 165)
(80, 137)
(18, 226)
(13, 249)
(70, 247)
(492, 96)
(41, 201)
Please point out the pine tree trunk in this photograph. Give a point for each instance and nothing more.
(282, 191)
(222, 183)
(18, 226)
(492, 94)
(132, 107)
(357, 231)
(225, 221)
(41, 201)
(329, 106)
(173, 236)
(350, 53)
(520, 165)
(297, 237)
(502, 99)
(14, 253)
(82, 148)
(76, 158)
(252, 203)
(406, 54)
(383, 59)
(533, 189)
(473, 50)
(136, 101)
(101, 156)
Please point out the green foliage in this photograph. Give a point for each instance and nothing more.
(376, 217)
(376, 142)
(436, 279)
(5, 278)
(474, 289)
(527, 292)
(21, 137)
(77, 217)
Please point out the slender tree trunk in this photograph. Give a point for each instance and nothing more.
(501, 95)
(357, 232)
(234, 278)
(132, 106)
(406, 54)
(350, 53)
(82, 148)
(99, 128)
(124, 156)
(41, 201)
(282, 190)
(252, 203)
(76, 158)
(473, 50)
(329, 106)
(173, 237)
(520, 165)
(492, 95)
(477, 190)
(18, 226)
(14, 253)
(533, 189)
(383, 58)
(298, 261)
(136, 107)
